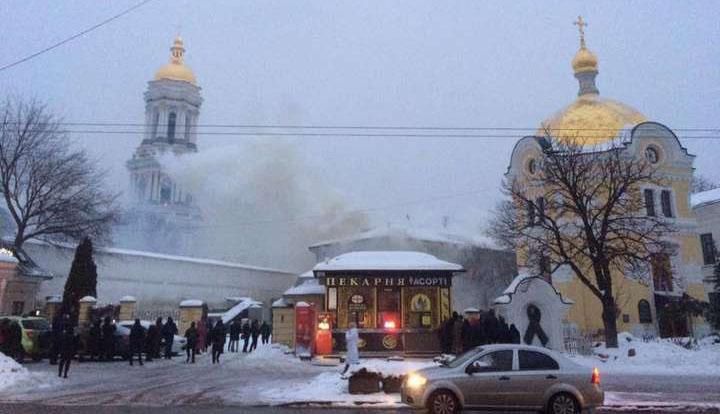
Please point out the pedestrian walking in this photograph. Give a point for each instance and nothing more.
(265, 333)
(514, 334)
(235, 328)
(254, 333)
(94, 341)
(169, 330)
(218, 341)
(137, 341)
(108, 339)
(351, 343)
(56, 334)
(445, 334)
(151, 338)
(246, 335)
(191, 335)
(457, 341)
(68, 349)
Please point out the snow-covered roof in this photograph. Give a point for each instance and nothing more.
(471, 310)
(54, 299)
(186, 259)
(302, 304)
(502, 300)
(387, 260)
(191, 303)
(236, 310)
(413, 233)
(705, 197)
(128, 299)
(280, 303)
(87, 299)
(522, 275)
(6, 256)
(307, 287)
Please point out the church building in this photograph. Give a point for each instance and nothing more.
(603, 124)
(163, 214)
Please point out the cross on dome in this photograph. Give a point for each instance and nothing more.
(581, 24)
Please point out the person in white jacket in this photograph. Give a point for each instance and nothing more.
(351, 343)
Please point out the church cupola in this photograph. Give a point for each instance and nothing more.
(585, 64)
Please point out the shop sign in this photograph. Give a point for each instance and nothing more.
(397, 281)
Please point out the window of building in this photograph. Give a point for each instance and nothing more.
(531, 213)
(332, 298)
(649, 202)
(420, 312)
(165, 192)
(498, 361)
(156, 121)
(388, 308)
(644, 312)
(665, 203)
(536, 361)
(626, 318)
(541, 209)
(172, 120)
(708, 248)
(17, 308)
(662, 272)
(532, 166)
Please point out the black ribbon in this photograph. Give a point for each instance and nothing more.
(534, 327)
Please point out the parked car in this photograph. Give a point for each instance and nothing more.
(122, 343)
(506, 377)
(35, 335)
(179, 342)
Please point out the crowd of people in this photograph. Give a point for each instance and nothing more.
(459, 334)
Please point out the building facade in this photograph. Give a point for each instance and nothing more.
(706, 206)
(599, 124)
(163, 215)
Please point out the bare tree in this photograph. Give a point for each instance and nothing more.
(586, 210)
(52, 192)
(700, 183)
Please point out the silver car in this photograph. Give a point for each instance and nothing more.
(508, 377)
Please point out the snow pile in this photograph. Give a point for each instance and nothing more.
(11, 372)
(392, 368)
(657, 356)
(191, 303)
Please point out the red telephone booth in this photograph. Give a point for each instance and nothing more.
(304, 329)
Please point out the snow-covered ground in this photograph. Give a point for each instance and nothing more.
(657, 356)
(270, 376)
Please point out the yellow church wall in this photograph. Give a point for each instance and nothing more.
(586, 312)
(681, 190)
(690, 249)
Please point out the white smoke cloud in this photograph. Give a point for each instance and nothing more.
(260, 203)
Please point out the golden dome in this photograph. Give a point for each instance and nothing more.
(176, 69)
(585, 61)
(590, 120)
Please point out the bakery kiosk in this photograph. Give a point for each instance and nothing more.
(397, 299)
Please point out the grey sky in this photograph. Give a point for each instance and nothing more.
(459, 63)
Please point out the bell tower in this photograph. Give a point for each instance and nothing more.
(163, 214)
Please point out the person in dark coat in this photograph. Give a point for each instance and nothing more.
(94, 341)
(15, 342)
(254, 333)
(246, 335)
(504, 331)
(235, 328)
(457, 340)
(169, 330)
(137, 341)
(56, 334)
(514, 334)
(218, 341)
(68, 349)
(108, 339)
(157, 339)
(151, 338)
(492, 330)
(445, 334)
(191, 334)
(264, 333)
(202, 330)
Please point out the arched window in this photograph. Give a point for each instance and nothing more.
(172, 119)
(644, 313)
(165, 191)
(156, 121)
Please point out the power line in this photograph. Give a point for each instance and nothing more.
(75, 36)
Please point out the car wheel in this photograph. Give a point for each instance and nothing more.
(443, 402)
(563, 403)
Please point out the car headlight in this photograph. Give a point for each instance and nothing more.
(415, 381)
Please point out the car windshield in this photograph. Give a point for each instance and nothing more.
(36, 324)
(463, 358)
